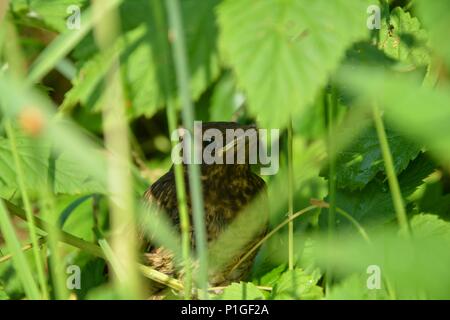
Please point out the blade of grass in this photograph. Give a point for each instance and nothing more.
(56, 259)
(290, 197)
(331, 110)
(178, 168)
(115, 131)
(38, 259)
(18, 258)
(181, 68)
(26, 247)
(271, 233)
(112, 259)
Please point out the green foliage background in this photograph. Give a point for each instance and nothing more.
(272, 62)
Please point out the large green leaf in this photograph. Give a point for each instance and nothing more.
(43, 167)
(283, 51)
(146, 60)
(355, 288)
(372, 206)
(362, 161)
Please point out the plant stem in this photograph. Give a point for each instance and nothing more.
(18, 258)
(28, 210)
(390, 172)
(92, 248)
(291, 196)
(178, 168)
(271, 233)
(115, 129)
(181, 68)
(24, 248)
(56, 265)
(331, 109)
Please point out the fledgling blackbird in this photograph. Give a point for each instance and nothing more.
(227, 190)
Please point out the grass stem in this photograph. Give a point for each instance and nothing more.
(38, 259)
(182, 72)
(290, 197)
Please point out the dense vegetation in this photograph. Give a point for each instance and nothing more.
(87, 107)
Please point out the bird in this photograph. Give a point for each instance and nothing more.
(228, 190)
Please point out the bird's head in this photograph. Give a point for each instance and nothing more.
(224, 147)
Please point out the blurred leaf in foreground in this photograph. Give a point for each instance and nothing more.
(44, 167)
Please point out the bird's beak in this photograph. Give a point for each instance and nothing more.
(236, 143)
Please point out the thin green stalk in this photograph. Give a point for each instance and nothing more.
(355, 223)
(394, 186)
(28, 209)
(290, 197)
(56, 265)
(112, 259)
(115, 129)
(183, 211)
(26, 247)
(331, 109)
(178, 168)
(271, 233)
(181, 67)
(18, 258)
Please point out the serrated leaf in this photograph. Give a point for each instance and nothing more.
(403, 38)
(43, 167)
(362, 161)
(296, 284)
(283, 51)
(372, 206)
(241, 291)
(427, 226)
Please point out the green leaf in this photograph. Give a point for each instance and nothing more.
(44, 167)
(283, 51)
(50, 14)
(270, 278)
(362, 161)
(403, 39)
(372, 206)
(296, 284)
(225, 100)
(241, 291)
(436, 17)
(146, 61)
(3, 294)
(93, 274)
(427, 226)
